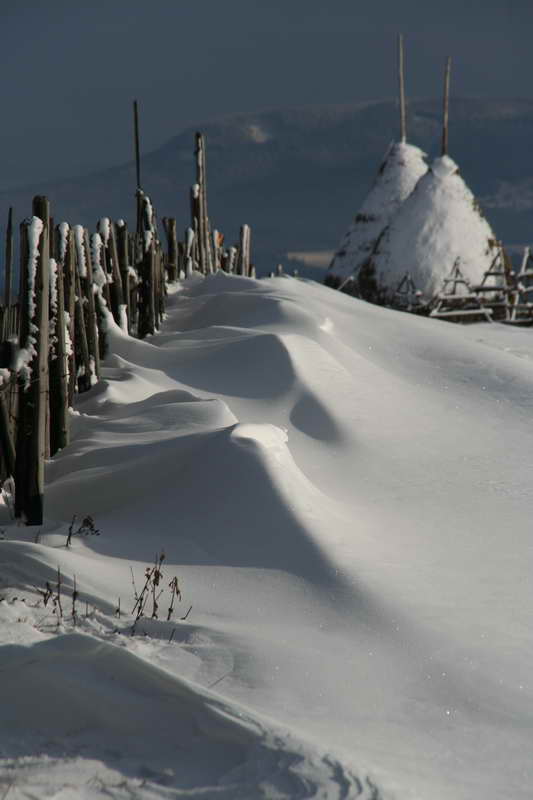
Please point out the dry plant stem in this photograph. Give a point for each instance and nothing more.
(74, 598)
(175, 593)
(187, 614)
(59, 594)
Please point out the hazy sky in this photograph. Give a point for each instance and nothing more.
(70, 69)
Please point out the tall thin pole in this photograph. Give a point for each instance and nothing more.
(401, 88)
(136, 135)
(9, 259)
(444, 151)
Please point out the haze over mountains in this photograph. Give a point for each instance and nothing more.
(298, 175)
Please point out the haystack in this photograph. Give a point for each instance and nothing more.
(438, 228)
(398, 175)
(402, 166)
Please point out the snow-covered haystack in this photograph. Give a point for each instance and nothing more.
(438, 227)
(399, 173)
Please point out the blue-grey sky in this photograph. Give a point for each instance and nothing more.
(70, 68)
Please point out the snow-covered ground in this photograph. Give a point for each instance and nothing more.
(344, 493)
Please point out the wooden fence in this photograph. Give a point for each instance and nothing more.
(72, 283)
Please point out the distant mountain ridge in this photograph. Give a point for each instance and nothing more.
(298, 175)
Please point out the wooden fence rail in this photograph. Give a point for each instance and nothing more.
(73, 284)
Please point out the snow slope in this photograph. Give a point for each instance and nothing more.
(344, 493)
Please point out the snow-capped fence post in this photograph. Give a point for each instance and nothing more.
(114, 278)
(147, 238)
(169, 224)
(120, 234)
(65, 254)
(88, 293)
(59, 374)
(33, 365)
(88, 352)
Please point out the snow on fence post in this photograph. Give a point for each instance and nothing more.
(147, 239)
(84, 344)
(169, 224)
(59, 374)
(65, 255)
(121, 239)
(114, 278)
(32, 365)
(181, 259)
(90, 319)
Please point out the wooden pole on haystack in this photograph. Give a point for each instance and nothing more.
(8, 271)
(401, 87)
(137, 149)
(446, 102)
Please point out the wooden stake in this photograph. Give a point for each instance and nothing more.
(446, 100)
(401, 88)
(31, 434)
(59, 428)
(136, 140)
(9, 260)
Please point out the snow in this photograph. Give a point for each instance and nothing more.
(97, 246)
(344, 494)
(402, 167)
(437, 226)
(35, 229)
(104, 229)
(80, 250)
(64, 229)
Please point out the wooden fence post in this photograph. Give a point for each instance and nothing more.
(59, 384)
(65, 252)
(169, 224)
(6, 329)
(243, 267)
(33, 376)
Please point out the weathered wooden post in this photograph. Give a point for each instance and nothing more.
(7, 327)
(33, 372)
(120, 232)
(65, 254)
(99, 286)
(59, 383)
(148, 243)
(243, 266)
(401, 83)
(86, 295)
(169, 224)
(116, 290)
(445, 109)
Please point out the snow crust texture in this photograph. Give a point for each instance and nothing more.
(344, 493)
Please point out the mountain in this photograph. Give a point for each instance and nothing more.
(298, 175)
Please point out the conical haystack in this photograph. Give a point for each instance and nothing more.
(403, 166)
(438, 226)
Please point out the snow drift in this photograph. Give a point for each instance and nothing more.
(344, 494)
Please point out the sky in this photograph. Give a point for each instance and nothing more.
(71, 69)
